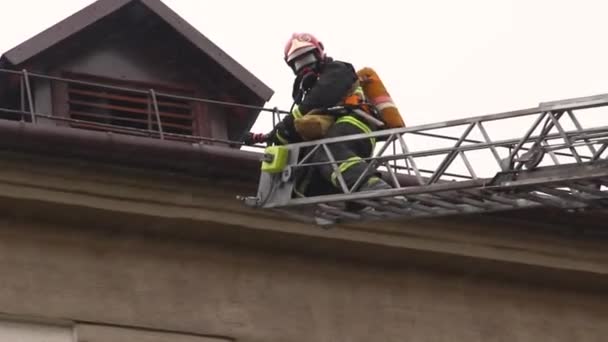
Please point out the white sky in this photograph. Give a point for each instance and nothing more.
(440, 60)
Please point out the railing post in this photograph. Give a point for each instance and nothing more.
(149, 112)
(28, 90)
(155, 105)
(22, 97)
(275, 114)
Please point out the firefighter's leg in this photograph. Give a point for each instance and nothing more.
(348, 154)
(308, 182)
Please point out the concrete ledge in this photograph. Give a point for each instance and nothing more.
(94, 195)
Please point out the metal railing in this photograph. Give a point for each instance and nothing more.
(27, 107)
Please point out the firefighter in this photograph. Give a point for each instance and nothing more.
(320, 83)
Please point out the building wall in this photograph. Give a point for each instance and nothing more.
(42, 97)
(32, 330)
(134, 280)
(24, 331)
(116, 252)
(125, 60)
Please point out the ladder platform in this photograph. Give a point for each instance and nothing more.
(556, 159)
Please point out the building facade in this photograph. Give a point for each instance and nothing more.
(116, 228)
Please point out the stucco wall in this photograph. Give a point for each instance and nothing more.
(106, 276)
(109, 245)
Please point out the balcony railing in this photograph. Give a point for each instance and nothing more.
(99, 106)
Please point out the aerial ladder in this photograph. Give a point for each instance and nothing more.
(552, 155)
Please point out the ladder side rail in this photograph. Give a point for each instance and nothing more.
(432, 152)
(472, 147)
(598, 101)
(575, 103)
(421, 128)
(413, 190)
(430, 172)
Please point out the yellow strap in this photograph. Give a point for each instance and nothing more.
(343, 167)
(359, 124)
(281, 139)
(359, 92)
(296, 112)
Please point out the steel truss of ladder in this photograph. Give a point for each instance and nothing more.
(553, 161)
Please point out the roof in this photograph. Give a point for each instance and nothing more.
(103, 8)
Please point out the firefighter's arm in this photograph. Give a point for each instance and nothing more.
(282, 134)
(285, 132)
(334, 83)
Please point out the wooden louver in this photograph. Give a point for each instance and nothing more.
(126, 109)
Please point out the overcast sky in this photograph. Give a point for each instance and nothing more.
(440, 59)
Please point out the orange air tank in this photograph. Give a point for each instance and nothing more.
(376, 94)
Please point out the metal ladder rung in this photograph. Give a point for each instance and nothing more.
(339, 212)
(386, 207)
(566, 195)
(551, 201)
(398, 205)
(499, 197)
(430, 199)
(594, 192)
(483, 204)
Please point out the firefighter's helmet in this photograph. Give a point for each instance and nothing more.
(303, 49)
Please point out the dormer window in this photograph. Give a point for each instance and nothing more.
(115, 107)
(142, 45)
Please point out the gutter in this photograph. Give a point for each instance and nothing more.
(197, 159)
(200, 159)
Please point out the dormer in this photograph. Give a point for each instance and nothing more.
(113, 65)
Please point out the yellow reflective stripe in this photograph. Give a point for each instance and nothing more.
(359, 124)
(359, 92)
(354, 121)
(343, 167)
(281, 139)
(296, 112)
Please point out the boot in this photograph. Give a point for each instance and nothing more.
(375, 183)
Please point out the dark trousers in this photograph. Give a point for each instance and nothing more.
(344, 153)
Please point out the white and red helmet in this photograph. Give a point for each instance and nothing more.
(303, 49)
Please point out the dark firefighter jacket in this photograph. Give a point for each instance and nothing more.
(333, 84)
